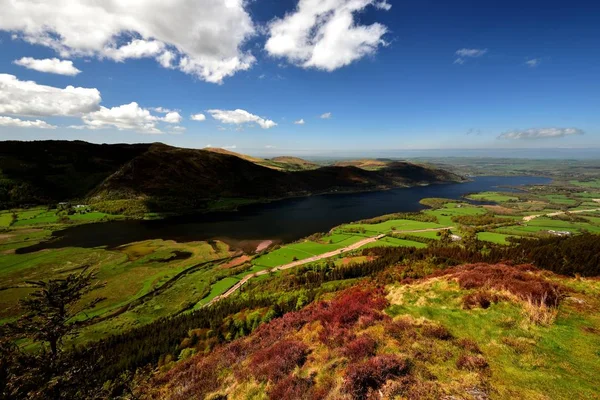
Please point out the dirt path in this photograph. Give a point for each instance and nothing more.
(554, 214)
(352, 247)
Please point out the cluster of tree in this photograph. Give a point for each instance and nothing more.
(481, 220)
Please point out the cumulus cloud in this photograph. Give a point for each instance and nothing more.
(240, 117)
(172, 117)
(324, 34)
(49, 65)
(462, 54)
(137, 48)
(126, 117)
(30, 99)
(200, 37)
(534, 62)
(327, 115)
(19, 123)
(541, 133)
(299, 122)
(198, 117)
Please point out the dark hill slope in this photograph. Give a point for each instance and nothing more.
(50, 171)
(168, 178)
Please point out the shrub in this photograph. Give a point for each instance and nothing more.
(471, 362)
(469, 345)
(361, 378)
(437, 332)
(360, 347)
(518, 280)
(291, 388)
(278, 360)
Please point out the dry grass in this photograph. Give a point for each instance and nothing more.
(538, 312)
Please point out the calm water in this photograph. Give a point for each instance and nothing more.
(285, 220)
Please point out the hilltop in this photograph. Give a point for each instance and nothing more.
(135, 179)
(476, 331)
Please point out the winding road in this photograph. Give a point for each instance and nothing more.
(318, 257)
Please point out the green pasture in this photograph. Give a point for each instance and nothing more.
(304, 249)
(394, 225)
(493, 237)
(498, 197)
(594, 184)
(560, 359)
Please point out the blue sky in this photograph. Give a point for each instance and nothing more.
(400, 75)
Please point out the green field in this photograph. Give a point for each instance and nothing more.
(130, 273)
(498, 197)
(394, 225)
(5, 219)
(594, 184)
(493, 237)
(395, 242)
(304, 249)
(524, 359)
(559, 199)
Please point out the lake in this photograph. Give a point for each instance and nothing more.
(284, 220)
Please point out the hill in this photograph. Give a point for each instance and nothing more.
(294, 163)
(42, 172)
(167, 178)
(364, 164)
(475, 331)
(155, 177)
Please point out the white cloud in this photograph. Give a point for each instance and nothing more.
(327, 115)
(239, 117)
(198, 117)
(162, 110)
(299, 122)
(201, 37)
(233, 147)
(19, 123)
(126, 117)
(324, 34)
(30, 99)
(471, 52)
(541, 133)
(462, 54)
(137, 48)
(49, 65)
(534, 62)
(172, 117)
(270, 147)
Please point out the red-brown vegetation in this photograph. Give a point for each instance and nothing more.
(370, 375)
(359, 348)
(471, 362)
(276, 361)
(522, 281)
(437, 332)
(292, 388)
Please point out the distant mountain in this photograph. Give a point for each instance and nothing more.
(161, 178)
(294, 163)
(370, 164)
